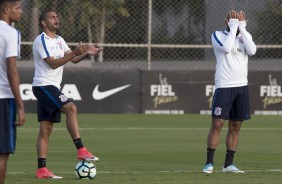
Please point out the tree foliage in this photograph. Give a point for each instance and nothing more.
(117, 21)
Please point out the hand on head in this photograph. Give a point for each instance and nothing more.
(241, 16)
(236, 15)
(233, 14)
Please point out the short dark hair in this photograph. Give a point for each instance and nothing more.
(43, 15)
(7, 1)
(4, 2)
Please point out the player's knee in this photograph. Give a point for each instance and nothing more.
(217, 124)
(71, 108)
(45, 131)
(48, 130)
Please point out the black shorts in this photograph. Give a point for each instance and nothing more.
(231, 103)
(7, 125)
(49, 101)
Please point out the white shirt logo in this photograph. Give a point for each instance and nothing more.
(97, 95)
(63, 98)
(217, 111)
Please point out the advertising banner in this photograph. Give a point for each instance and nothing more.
(93, 90)
(153, 92)
(175, 92)
(265, 92)
(179, 92)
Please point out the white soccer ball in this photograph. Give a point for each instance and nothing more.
(85, 170)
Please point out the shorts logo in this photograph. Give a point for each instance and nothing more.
(63, 98)
(217, 111)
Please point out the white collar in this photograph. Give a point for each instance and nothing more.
(2, 21)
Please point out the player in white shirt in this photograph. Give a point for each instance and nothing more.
(231, 98)
(45, 47)
(11, 103)
(51, 53)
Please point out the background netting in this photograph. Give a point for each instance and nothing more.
(157, 34)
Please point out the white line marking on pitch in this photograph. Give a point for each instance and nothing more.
(148, 172)
(143, 128)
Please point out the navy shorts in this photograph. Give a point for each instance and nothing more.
(49, 101)
(231, 103)
(7, 125)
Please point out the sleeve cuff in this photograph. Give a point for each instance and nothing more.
(233, 23)
(242, 23)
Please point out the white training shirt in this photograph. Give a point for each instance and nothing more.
(231, 54)
(45, 47)
(9, 47)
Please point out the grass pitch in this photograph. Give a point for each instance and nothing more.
(151, 149)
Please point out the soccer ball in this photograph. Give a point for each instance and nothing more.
(85, 170)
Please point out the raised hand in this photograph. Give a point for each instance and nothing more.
(241, 16)
(80, 49)
(233, 14)
(94, 50)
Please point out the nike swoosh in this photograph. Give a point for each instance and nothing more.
(83, 170)
(97, 95)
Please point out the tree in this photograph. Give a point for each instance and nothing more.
(91, 19)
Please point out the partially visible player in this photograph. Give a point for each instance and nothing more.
(231, 98)
(10, 99)
(51, 53)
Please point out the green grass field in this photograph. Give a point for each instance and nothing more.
(151, 149)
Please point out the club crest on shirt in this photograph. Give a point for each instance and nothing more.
(63, 98)
(217, 111)
(60, 45)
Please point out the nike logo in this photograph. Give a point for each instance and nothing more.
(97, 95)
(85, 171)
